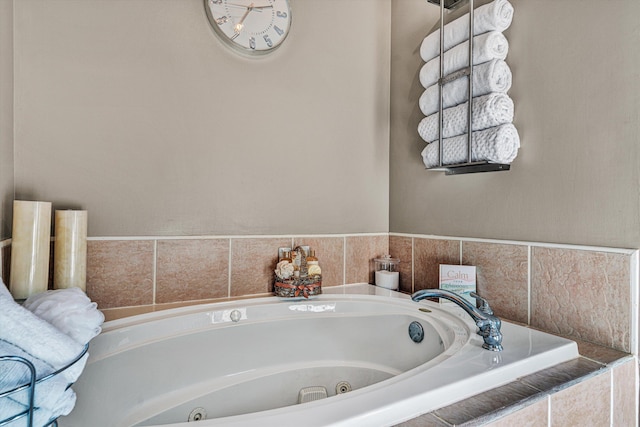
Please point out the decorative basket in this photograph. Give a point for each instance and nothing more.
(298, 287)
(304, 286)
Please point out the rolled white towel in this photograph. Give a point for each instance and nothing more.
(69, 310)
(487, 46)
(497, 145)
(495, 16)
(489, 110)
(41, 340)
(492, 76)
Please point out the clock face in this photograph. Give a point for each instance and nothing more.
(252, 26)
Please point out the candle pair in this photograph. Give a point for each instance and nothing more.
(30, 244)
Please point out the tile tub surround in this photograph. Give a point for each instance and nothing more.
(574, 393)
(137, 271)
(588, 293)
(129, 276)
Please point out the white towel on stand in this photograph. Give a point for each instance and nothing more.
(487, 46)
(70, 310)
(497, 145)
(42, 341)
(51, 395)
(489, 110)
(492, 76)
(41, 416)
(495, 16)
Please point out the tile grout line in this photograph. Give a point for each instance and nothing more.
(529, 253)
(344, 260)
(413, 265)
(611, 398)
(635, 369)
(229, 268)
(155, 270)
(635, 300)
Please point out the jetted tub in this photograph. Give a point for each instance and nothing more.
(250, 362)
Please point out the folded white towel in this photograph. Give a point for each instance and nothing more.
(69, 310)
(495, 16)
(42, 341)
(492, 76)
(25, 335)
(497, 145)
(487, 46)
(489, 110)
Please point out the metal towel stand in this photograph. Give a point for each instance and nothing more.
(469, 166)
(30, 388)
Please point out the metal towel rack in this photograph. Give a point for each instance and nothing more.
(30, 388)
(469, 166)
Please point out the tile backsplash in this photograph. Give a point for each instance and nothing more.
(586, 292)
(589, 293)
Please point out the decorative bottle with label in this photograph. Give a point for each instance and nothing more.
(286, 256)
(313, 266)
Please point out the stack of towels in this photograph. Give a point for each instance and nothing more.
(50, 330)
(494, 138)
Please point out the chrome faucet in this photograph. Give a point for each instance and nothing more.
(485, 320)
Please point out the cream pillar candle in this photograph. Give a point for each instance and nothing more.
(70, 250)
(30, 243)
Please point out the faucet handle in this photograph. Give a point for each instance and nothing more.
(484, 304)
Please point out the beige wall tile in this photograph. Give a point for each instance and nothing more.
(359, 254)
(192, 269)
(582, 293)
(120, 272)
(625, 394)
(587, 403)
(534, 415)
(427, 257)
(253, 261)
(330, 254)
(502, 276)
(402, 247)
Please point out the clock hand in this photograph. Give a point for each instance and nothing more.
(238, 27)
(254, 7)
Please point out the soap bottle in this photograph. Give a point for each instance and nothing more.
(313, 266)
(311, 259)
(295, 260)
(286, 257)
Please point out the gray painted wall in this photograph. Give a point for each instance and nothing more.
(6, 117)
(141, 116)
(576, 89)
(135, 111)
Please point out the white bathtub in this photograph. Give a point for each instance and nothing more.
(154, 369)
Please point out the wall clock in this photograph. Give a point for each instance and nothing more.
(254, 27)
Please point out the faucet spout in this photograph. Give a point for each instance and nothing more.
(488, 324)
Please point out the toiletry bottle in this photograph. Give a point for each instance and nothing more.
(286, 257)
(311, 259)
(295, 260)
(313, 266)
